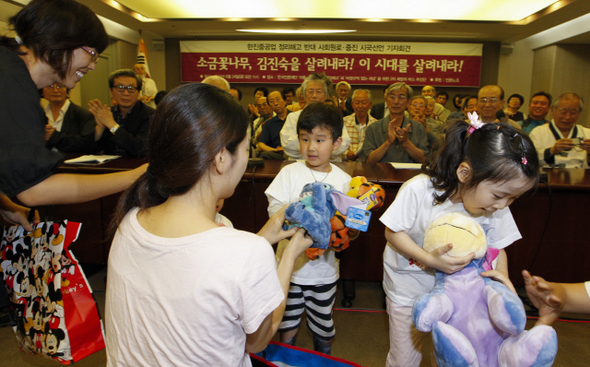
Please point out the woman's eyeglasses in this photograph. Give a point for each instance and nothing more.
(93, 54)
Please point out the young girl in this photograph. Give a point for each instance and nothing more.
(478, 171)
(181, 290)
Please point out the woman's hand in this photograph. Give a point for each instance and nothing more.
(273, 229)
(549, 299)
(13, 213)
(298, 244)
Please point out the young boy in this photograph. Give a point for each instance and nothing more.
(319, 129)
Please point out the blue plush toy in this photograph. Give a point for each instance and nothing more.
(476, 321)
(317, 204)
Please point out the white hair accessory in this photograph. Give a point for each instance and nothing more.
(474, 121)
(18, 40)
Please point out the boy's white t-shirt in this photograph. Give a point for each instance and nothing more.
(412, 212)
(186, 301)
(285, 189)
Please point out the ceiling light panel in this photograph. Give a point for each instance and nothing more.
(480, 10)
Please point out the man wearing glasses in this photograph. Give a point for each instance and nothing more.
(395, 138)
(563, 143)
(122, 129)
(490, 103)
(69, 128)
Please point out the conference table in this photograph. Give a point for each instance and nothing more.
(552, 221)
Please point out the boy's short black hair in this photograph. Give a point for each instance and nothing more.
(321, 115)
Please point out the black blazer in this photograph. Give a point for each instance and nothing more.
(132, 133)
(348, 105)
(77, 132)
(377, 110)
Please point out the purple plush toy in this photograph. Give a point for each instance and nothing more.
(476, 321)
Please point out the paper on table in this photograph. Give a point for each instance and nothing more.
(89, 159)
(401, 165)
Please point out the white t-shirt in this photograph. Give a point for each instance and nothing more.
(412, 212)
(149, 89)
(543, 139)
(186, 301)
(223, 220)
(56, 124)
(285, 189)
(290, 139)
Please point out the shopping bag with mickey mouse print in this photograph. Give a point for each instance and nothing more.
(50, 299)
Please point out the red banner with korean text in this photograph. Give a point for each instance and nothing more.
(364, 63)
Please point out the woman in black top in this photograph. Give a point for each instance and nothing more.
(57, 41)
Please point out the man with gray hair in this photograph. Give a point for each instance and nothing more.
(315, 88)
(122, 129)
(563, 143)
(356, 124)
(217, 81)
(395, 138)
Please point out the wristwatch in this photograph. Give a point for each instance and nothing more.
(114, 129)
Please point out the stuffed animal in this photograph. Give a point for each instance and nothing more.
(317, 205)
(476, 321)
(367, 192)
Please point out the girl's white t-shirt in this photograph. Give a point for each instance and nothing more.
(412, 211)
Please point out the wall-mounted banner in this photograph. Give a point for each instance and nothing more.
(364, 63)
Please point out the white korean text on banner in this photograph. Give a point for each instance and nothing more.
(367, 63)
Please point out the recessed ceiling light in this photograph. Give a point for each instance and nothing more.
(297, 31)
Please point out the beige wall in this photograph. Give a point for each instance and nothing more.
(563, 68)
(554, 69)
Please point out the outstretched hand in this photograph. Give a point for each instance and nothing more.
(547, 298)
(441, 260)
(298, 243)
(273, 229)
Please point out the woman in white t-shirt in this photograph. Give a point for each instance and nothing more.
(183, 291)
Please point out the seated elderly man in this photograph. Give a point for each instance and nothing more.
(269, 142)
(217, 81)
(434, 129)
(315, 88)
(344, 103)
(122, 129)
(439, 112)
(148, 88)
(265, 114)
(357, 123)
(69, 128)
(490, 104)
(395, 138)
(562, 143)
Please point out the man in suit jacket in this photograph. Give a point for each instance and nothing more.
(380, 110)
(344, 102)
(122, 129)
(69, 128)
